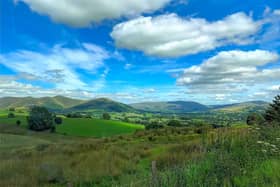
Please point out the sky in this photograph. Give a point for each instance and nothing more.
(209, 51)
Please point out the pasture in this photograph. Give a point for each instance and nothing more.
(95, 127)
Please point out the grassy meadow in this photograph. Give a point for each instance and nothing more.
(96, 127)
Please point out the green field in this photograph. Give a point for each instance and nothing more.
(95, 127)
(83, 126)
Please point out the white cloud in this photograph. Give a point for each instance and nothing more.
(150, 90)
(231, 71)
(128, 66)
(277, 12)
(58, 66)
(172, 36)
(81, 13)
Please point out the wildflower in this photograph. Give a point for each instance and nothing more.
(259, 142)
(274, 146)
(263, 150)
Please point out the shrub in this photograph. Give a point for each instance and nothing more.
(40, 119)
(106, 116)
(11, 115)
(174, 123)
(255, 119)
(12, 109)
(58, 120)
(153, 125)
(18, 122)
(53, 129)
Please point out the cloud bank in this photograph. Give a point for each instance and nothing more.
(172, 36)
(231, 71)
(59, 65)
(82, 13)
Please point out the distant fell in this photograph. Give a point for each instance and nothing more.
(103, 104)
(57, 102)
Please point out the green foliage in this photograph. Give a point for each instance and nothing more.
(255, 119)
(154, 125)
(58, 120)
(106, 116)
(272, 114)
(11, 115)
(12, 109)
(40, 119)
(174, 123)
(18, 122)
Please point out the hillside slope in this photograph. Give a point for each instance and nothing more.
(103, 104)
(57, 102)
(170, 107)
(250, 106)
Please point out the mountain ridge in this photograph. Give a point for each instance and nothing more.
(108, 105)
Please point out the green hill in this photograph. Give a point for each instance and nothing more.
(103, 104)
(57, 102)
(251, 106)
(170, 107)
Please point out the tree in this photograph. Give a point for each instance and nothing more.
(12, 109)
(58, 120)
(106, 116)
(272, 114)
(18, 122)
(11, 115)
(255, 119)
(40, 119)
(174, 123)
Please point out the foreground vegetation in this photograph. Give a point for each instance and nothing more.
(243, 156)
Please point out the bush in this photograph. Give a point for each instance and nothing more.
(153, 125)
(174, 123)
(11, 115)
(106, 116)
(18, 122)
(255, 119)
(53, 129)
(12, 109)
(40, 119)
(58, 120)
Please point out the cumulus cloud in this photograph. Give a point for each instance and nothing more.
(232, 71)
(81, 13)
(171, 36)
(58, 65)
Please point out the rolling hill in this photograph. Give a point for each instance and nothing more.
(103, 104)
(107, 105)
(189, 106)
(57, 102)
(171, 107)
(251, 106)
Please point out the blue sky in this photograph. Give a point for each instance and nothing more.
(131, 51)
